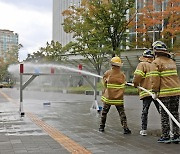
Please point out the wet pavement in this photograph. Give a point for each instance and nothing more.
(56, 123)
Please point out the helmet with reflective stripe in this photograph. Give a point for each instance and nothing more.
(159, 45)
(160, 48)
(116, 61)
(148, 53)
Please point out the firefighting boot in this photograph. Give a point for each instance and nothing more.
(175, 139)
(127, 131)
(164, 140)
(101, 128)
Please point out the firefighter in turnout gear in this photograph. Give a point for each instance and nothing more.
(114, 81)
(142, 78)
(166, 85)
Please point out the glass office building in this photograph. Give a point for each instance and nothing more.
(60, 5)
(153, 32)
(131, 58)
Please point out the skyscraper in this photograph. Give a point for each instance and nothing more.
(58, 7)
(8, 40)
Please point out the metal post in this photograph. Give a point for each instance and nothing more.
(95, 89)
(95, 94)
(94, 86)
(21, 90)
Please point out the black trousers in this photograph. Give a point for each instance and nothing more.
(144, 116)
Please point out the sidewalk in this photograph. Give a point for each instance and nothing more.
(69, 115)
(19, 135)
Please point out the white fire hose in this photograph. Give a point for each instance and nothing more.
(170, 115)
(167, 111)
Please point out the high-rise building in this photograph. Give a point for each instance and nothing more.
(8, 40)
(58, 7)
(130, 58)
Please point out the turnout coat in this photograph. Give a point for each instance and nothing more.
(142, 75)
(165, 79)
(114, 81)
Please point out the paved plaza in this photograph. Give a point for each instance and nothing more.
(56, 123)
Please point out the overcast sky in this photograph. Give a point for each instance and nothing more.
(31, 19)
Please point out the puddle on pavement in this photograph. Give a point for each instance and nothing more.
(11, 123)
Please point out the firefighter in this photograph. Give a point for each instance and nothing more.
(114, 82)
(166, 85)
(142, 78)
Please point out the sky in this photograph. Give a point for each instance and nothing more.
(31, 19)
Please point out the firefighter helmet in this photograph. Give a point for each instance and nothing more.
(116, 61)
(160, 48)
(148, 53)
(159, 45)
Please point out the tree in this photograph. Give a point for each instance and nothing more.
(52, 52)
(172, 23)
(9, 57)
(36, 57)
(4, 67)
(98, 27)
(111, 17)
(158, 21)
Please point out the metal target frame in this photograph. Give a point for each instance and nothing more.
(34, 75)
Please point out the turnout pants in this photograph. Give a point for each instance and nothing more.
(172, 104)
(120, 109)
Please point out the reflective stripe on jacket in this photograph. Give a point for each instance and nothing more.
(114, 81)
(166, 80)
(142, 75)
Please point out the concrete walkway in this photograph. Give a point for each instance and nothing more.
(68, 126)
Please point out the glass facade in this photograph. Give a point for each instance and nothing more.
(8, 39)
(152, 32)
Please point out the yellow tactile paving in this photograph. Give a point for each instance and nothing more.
(69, 144)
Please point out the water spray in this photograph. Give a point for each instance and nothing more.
(95, 105)
(52, 72)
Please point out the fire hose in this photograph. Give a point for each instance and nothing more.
(163, 106)
(151, 94)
